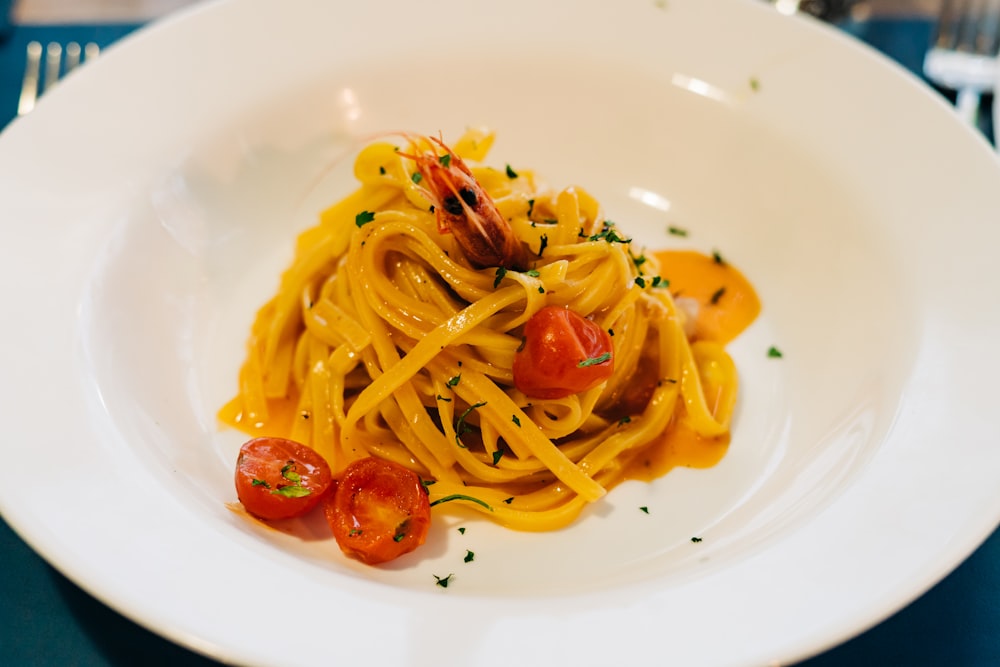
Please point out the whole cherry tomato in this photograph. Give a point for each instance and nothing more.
(379, 511)
(562, 354)
(280, 479)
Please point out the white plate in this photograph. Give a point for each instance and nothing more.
(150, 201)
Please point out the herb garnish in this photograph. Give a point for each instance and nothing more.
(445, 160)
(696, 539)
(416, 177)
(363, 218)
(544, 238)
(511, 173)
(453, 382)
(461, 529)
(640, 281)
(501, 272)
(459, 496)
(717, 257)
(469, 556)
(460, 425)
(593, 361)
(497, 455)
(677, 231)
(716, 295)
(260, 482)
(443, 581)
(515, 419)
(644, 509)
(774, 353)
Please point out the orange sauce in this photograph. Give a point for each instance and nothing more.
(727, 302)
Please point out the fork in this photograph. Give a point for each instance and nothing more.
(58, 62)
(963, 57)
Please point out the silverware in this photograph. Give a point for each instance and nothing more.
(963, 57)
(44, 67)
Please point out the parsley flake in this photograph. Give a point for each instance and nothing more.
(533, 273)
(442, 398)
(593, 361)
(288, 472)
(696, 540)
(459, 496)
(501, 272)
(460, 426)
(515, 419)
(511, 173)
(453, 382)
(469, 556)
(443, 581)
(363, 218)
(445, 160)
(416, 177)
(640, 281)
(677, 231)
(774, 353)
(717, 257)
(508, 501)
(497, 455)
(292, 491)
(716, 295)
(544, 241)
(461, 529)
(260, 482)
(381, 170)
(644, 509)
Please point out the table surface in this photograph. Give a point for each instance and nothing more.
(48, 620)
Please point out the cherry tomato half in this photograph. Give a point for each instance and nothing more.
(280, 479)
(562, 354)
(379, 511)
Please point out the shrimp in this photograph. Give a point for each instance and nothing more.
(465, 209)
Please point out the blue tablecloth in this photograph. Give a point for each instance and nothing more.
(47, 620)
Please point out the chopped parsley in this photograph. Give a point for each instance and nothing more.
(508, 501)
(677, 231)
(355, 532)
(659, 281)
(515, 419)
(497, 455)
(716, 295)
(717, 257)
(443, 581)
(363, 218)
(608, 234)
(774, 353)
(640, 281)
(533, 273)
(531, 206)
(442, 398)
(611, 332)
(260, 482)
(624, 420)
(416, 177)
(754, 84)
(469, 556)
(511, 173)
(696, 540)
(292, 491)
(381, 170)
(593, 361)
(445, 160)
(644, 509)
(544, 238)
(453, 382)
(460, 426)
(459, 496)
(501, 272)
(288, 472)
(461, 529)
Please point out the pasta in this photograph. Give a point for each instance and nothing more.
(388, 338)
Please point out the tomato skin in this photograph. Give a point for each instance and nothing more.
(269, 468)
(556, 341)
(379, 511)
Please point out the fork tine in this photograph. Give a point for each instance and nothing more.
(53, 60)
(29, 86)
(72, 57)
